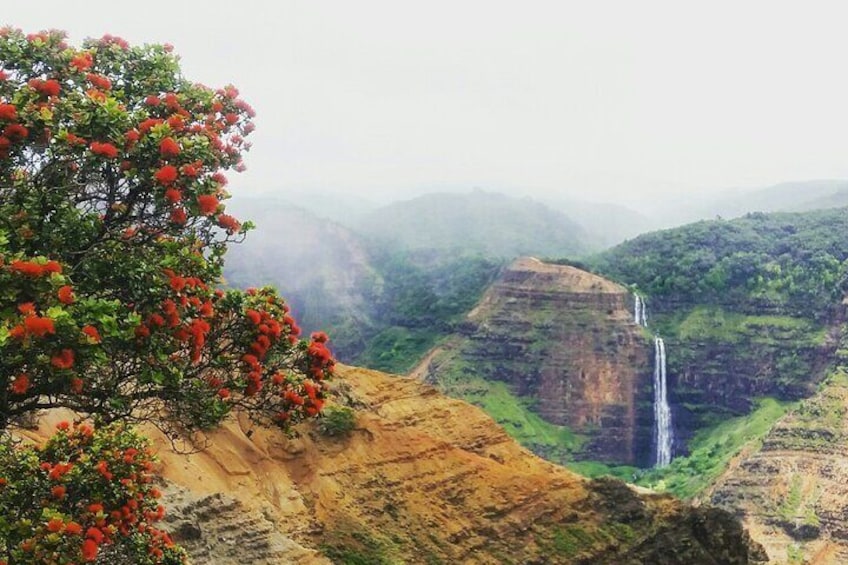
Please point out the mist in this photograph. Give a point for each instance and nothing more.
(607, 101)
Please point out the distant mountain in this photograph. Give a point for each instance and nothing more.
(493, 224)
(381, 306)
(343, 208)
(321, 267)
(800, 196)
(605, 224)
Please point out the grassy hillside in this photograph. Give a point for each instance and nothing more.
(761, 263)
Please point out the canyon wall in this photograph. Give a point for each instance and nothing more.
(565, 339)
(790, 491)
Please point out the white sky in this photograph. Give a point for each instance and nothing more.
(605, 99)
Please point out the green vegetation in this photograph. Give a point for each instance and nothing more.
(712, 449)
(706, 322)
(513, 413)
(423, 297)
(788, 263)
(337, 422)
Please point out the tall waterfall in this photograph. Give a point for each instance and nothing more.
(639, 316)
(662, 411)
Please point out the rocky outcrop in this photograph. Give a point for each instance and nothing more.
(722, 361)
(217, 529)
(421, 479)
(791, 491)
(564, 338)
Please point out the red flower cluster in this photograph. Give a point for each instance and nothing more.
(104, 149)
(8, 112)
(168, 147)
(66, 295)
(33, 269)
(46, 87)
(21, 384)
(208, 204)
(82, 62)
(101, 82)
(63, 360)
(229, 223)
(33, 325)
(166, 175)
(61, 527)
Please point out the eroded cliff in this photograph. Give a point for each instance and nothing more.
(790, 491)
(565, 339)
(421, 479)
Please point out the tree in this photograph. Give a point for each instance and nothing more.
(112, 238)
(86, 495)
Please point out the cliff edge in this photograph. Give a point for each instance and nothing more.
(422, 478)
(565, 340)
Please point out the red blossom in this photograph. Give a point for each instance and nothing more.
(8, 112)
(39, 326)
(171, 100)
(229, 223)
(16, 132)
(66, 295)
(104, 149)
(169, 148)
(208, 204)
(21, 384)
(27, 268)
(148, 124)
(92, 333)
(26, 308)
(73, 139)
(89, 548)
(166, 175)
(52, 267)
(63, 360)
(176, 122)
(55, 525)
(110, 39)
(177, 283)
(99, 81)
(152, 100)
(46, 87)
(82, 62)
(173, 195)
(178, 216)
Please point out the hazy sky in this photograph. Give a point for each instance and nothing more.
(608, 99)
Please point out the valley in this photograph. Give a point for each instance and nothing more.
(750, 315)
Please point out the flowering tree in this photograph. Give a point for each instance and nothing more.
(112, 237)
(84, 496)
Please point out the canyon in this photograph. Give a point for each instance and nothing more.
(421, 478)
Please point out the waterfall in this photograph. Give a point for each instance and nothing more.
(662, 411)
(639, 316)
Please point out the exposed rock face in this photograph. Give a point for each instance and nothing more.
(721, 361)
(219, 530)
(791, 491)
(565, 338)
(421, 479)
